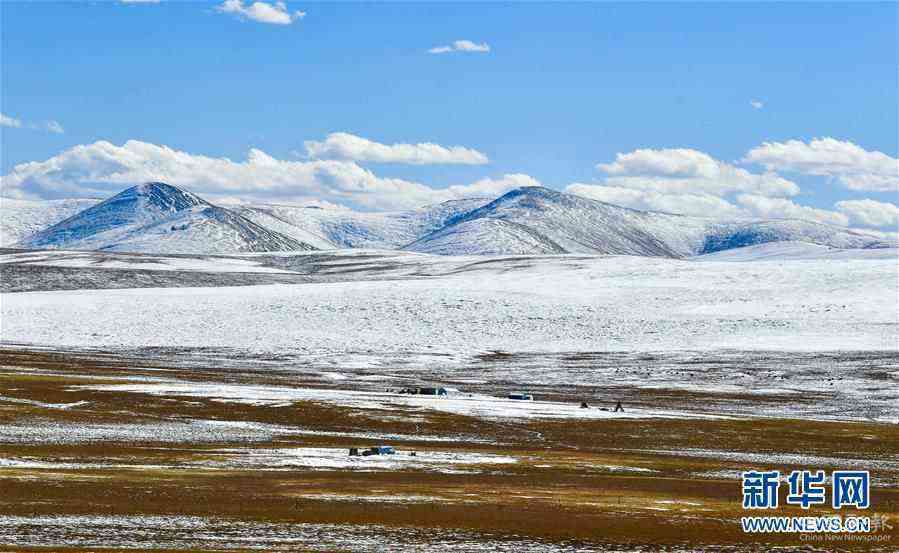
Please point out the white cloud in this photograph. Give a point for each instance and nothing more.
(488, 187)
(340, 145)
(889, 235)
(687, 171)
(870, 213)
(7, 121)
(670, 162)
(781, 208)
(49, 126)
(848, 163)
(700, 205)
(748, 206)
(691, 182)
(103, 168)
(54, 127)
(262, 12)
(461, 46)
(757, 104)
(682, 180)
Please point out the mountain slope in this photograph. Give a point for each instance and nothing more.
(559, 222)
(341, 228)
(19, 219)
(725, 236)
(487, 236)
(160, 218)
(792, 251)
(548, 220)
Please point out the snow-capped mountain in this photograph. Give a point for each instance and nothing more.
(160, 218)
(22, 218)
(327, 228)
(540, 220)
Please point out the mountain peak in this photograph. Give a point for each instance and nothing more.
(530, 192)
(159, 196)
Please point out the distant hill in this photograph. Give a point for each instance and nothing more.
(540, 220)
(160, 218)
(792, 251)
(342, 228)
(20, 219)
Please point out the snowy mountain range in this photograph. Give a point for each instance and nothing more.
(539, 220)
(161, 218)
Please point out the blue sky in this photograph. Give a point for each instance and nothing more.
(563, 88)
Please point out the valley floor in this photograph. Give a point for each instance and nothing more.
(350, 302)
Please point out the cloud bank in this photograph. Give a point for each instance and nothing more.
(345, 146)
(870, 213)
(690, 182)
(841, 160)
(683, 181)
(684, 170)
(103, 168)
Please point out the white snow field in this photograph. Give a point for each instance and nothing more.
(292, 458)
(520, 304)
(145, 262)
(475, 405)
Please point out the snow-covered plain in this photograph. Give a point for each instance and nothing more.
(519, 304)
(475, 405)
(330, 458)
(145, 262)
(292, 458)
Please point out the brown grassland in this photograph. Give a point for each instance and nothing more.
(560, 490)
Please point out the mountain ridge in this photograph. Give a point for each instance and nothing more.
(327, 228)
(584, 225)
(160, 218)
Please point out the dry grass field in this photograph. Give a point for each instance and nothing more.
(85, 469)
